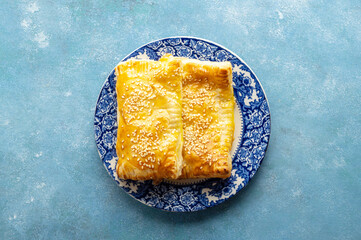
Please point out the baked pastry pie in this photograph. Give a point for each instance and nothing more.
(175, 119)
(149, 139)
(208, 119)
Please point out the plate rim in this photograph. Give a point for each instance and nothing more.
(243, 125)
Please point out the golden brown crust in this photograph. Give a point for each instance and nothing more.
(152, 112)
(208, 119)
(149, 138)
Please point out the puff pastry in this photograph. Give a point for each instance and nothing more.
(208, 118)
(149, 138)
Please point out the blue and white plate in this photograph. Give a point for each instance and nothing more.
(252, 130)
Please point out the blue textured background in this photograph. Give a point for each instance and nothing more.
(54, 58)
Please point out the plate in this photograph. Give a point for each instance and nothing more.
(252, 131)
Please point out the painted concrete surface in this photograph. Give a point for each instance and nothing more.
(55, 56)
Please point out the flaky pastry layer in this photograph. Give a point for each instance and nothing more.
(149, 138)
(208, 118)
